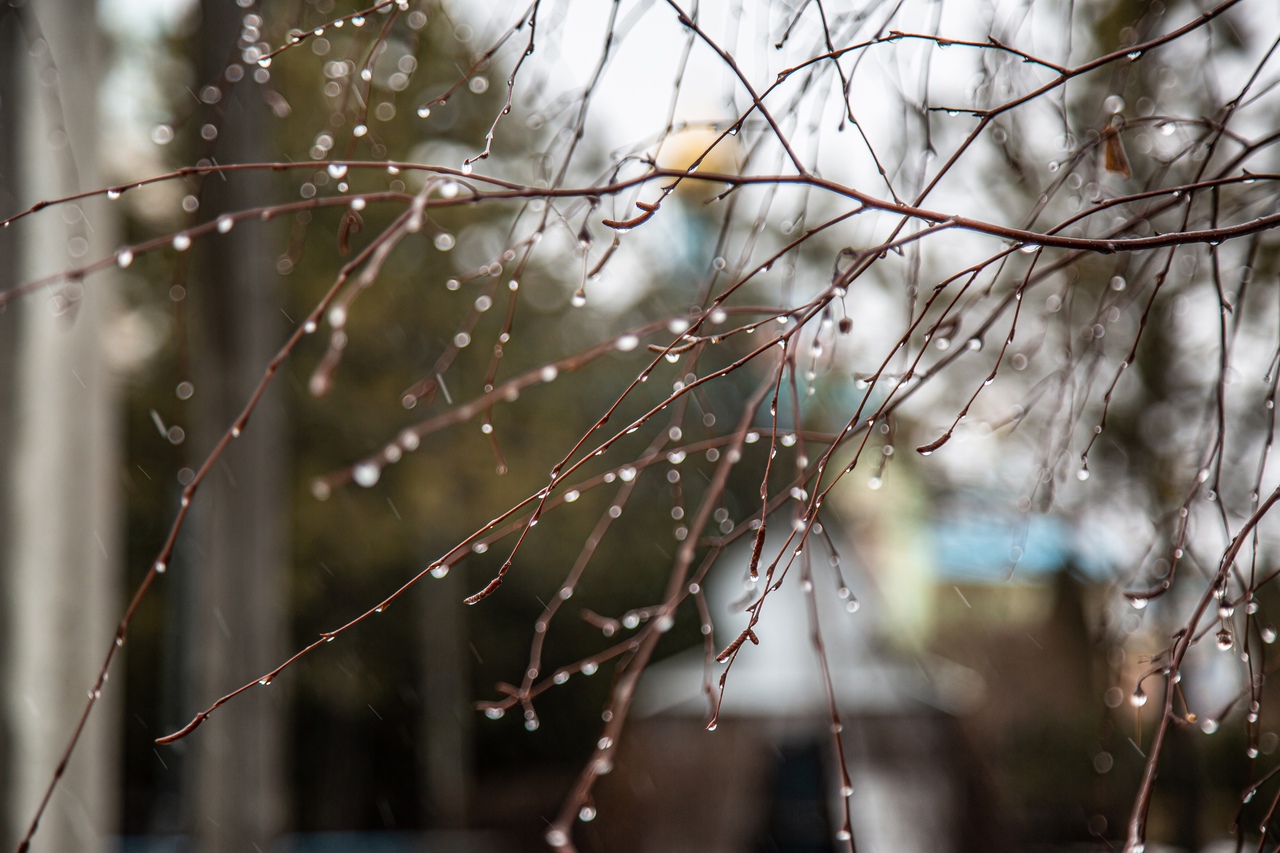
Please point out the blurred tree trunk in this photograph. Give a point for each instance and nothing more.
(445, 747)
(240, 549)
(59, 435)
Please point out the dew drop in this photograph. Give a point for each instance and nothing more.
(124, 258)
(181, 242)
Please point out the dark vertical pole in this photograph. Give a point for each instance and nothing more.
(241, 557)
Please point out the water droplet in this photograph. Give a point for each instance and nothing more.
(1138, 698)
(124, 257)
(1082, 474)
(1225, 640)
(1208, 725)
(590, 668)
(586, 814)
(556, 838)
(1268, 633)
(160, 567)
(444, 241)
(494, 713)
(360, 129)
(579, 299)
(366, 474)
(181, 242)
(440, 571)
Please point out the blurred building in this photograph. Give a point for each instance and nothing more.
(766, 778)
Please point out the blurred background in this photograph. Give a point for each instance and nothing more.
(989, 676)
